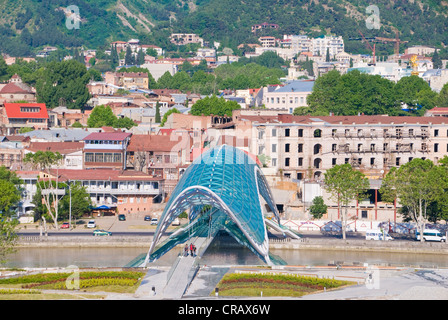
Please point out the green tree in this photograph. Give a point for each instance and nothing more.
(318, 208)
(167, 114)
(65, 80)
(416, 185)
(157, 117)
(48, 188)
(80, 201)
(8, 237)
(124, 122)
(345, 185)
(214, 105)
(129, 59)
(101, 116)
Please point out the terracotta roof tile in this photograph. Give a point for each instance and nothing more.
(13, 110)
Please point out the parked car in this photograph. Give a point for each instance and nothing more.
(431, 235)
(121, 217)
(176, 222)
(65, 225)
(377, 234)
(101, 233)
(91, 224)
(147, 218)
(154, 221)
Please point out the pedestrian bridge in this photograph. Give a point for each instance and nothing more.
(223, 189)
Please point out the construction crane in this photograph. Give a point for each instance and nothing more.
(370, 47)
(396, 40)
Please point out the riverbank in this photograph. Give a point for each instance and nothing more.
(65, 241)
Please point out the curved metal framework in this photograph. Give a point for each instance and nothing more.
(229, 182)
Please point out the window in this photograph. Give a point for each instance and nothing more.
(274, 147)
(372, 161)
(286, 162)
(300, 133)
(334, 147)
(274, 162)
(274, 132)
(372, 147)
(436, 132)
(300, 162)
(333, 132)
(89, 157)
(117, 157)
(300, 148)
(333, 161)
(287, 147)
(397, 161)
(436, 147)
(286, 132)
(317, 133)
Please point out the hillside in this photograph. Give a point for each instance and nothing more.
(29, 24)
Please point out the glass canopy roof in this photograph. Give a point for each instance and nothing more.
(229, 181)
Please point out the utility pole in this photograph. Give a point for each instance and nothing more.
(70, 206)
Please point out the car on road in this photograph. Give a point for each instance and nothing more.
(431, 235)
(121, 217)
(102, 233)
(91, 224)
(154, 221)
(147, 218)
(377, 234)
(65, 225)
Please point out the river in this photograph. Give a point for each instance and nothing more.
(215, 255)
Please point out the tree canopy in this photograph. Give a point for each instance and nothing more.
(356, 92)
(345, 184)
(214, 105)
(63, 82)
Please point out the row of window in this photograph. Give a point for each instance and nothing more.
(399, 132)
(317, 163)
(282, 100)
(360, 148)
(103, 157)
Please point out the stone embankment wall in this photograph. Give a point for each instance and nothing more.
(303, 244)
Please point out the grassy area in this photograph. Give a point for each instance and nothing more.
(288, 285)
(35, 287)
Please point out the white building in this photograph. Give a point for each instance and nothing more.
(289, 97)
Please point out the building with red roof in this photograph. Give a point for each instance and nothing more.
(15, 116)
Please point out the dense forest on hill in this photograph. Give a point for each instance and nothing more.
(27, 25)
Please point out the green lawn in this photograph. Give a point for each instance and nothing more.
(34, 287)
(288, 285)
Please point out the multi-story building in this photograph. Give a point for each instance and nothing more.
(304, 147)
(333, 44)
(288, 97)
(15, 116)
(130, 192)
(185, 38)
(162, 156)
(106, 150)
(128, 80)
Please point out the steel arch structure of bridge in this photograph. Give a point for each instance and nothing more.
(222, 189)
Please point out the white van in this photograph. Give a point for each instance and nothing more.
(377, 234)
(431, 235)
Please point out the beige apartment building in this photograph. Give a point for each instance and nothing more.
(304, 147)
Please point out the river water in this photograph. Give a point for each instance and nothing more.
(215, 255)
